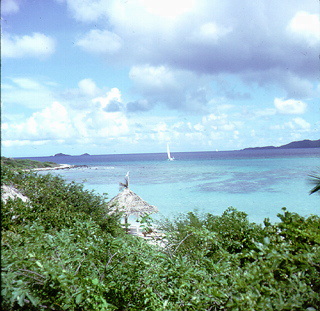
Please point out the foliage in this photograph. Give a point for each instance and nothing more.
(231, 232)
(275, 267)
(63, 251)
(315, 179)
(57, 271)
(54, 203)
(25, 163)
(145, 224)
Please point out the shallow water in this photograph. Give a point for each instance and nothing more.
(257, 182)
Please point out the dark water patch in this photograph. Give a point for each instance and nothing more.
(246, 182)
(231, 186)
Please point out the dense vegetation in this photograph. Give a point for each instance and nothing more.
(25, 163)
(64, 250)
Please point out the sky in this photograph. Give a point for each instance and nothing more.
(130, 76)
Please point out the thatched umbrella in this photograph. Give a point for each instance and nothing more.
(130, 203)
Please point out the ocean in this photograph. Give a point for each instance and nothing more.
(257, 182)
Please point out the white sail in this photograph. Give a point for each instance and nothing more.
(169, 154)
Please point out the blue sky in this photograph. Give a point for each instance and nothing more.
(130, 76)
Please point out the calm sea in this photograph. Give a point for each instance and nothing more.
(258, 182)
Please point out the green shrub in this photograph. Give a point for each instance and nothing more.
(275, 267)
(283, 271)
(231, 232)
(61, 271)
(55, 203)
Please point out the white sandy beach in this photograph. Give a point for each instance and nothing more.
(60, 167)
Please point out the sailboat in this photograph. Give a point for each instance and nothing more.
(168, 153)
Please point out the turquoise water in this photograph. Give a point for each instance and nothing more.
(258, 184)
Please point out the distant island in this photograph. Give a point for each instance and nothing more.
(68, 155)
(293, 145)
(62, 155)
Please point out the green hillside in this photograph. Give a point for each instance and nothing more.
(25, 163)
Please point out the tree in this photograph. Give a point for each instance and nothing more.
(315, 179)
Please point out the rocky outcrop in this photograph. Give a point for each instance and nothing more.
(11, 192)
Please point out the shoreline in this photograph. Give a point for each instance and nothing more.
(60, 167)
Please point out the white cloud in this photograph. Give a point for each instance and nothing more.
(303, 124)
(290, 106)
(87, 10)
(27, 83)
(55, 121)
(294, 86)
(183, 127)
(160, 127)
(170, 67)
(114, 95)
(306, 25)
(152, 77)
(28, 92)
(157, 84)
(220, 122)
(50, 123)
(100, 42)
(9, 7)
(138, 105)
(177, 89)
(266, 112)
(58, 122)
(36, 45)
(88, 87)
(209, 33)
(199, 127)
(26, 142)
(297, 87)
(144, 33)
(102, 121)
(296, 124)
(184, 133)
(101, 124)
(168, 8)
(81, 97)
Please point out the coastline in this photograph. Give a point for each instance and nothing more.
(59, 167)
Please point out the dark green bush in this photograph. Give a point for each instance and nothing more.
(276, 267)
(55, 203)
(231, 232)
(60, 271)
